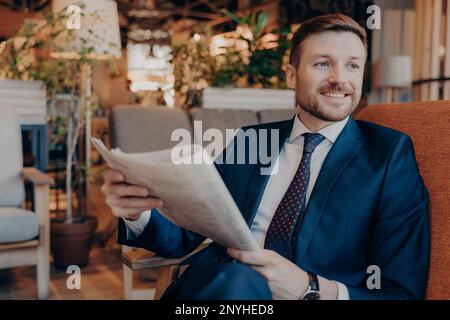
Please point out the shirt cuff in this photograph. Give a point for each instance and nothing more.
(342, 291)
(136, 227)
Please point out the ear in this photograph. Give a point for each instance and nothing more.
(291, 76)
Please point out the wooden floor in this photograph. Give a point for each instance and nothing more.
(100, 280)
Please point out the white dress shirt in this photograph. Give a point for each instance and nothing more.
(288, 162)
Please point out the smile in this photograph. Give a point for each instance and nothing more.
(334, 94)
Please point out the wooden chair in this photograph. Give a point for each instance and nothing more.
(169, 269)
(24, 235)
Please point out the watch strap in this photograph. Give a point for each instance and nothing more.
(313, 282)
(312, 293)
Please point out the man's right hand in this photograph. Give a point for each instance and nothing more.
(126, 200)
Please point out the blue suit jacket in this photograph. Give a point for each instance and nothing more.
(369, 206)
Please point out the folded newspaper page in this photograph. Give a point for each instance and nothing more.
(194, 195)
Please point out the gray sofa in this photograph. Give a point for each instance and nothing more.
(141, 129)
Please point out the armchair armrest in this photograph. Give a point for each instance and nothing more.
(169, 269)
(137, 259)
(41, 184)
(37, 177)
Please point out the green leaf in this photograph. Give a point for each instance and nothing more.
(261, 24)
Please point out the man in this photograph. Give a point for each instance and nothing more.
(347, 196)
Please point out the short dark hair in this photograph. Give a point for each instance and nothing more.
(330, 22)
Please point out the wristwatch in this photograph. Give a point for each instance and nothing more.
(312, 293)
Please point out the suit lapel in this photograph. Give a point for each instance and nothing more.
(342, 152)
(258, 181)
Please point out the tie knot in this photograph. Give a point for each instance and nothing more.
(312, 140)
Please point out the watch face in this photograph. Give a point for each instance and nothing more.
(312, 295)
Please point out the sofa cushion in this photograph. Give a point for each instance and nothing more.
(17, 224)
(276, 115)
(12, 192)
(141, 129)
(221, 119)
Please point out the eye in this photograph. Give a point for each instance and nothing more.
(354, 66)
(322, 64)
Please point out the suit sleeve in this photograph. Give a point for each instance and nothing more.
(162, 237)
(400, 238)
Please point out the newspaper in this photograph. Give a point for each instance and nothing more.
(194, 195)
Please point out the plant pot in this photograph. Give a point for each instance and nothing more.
(72, 242)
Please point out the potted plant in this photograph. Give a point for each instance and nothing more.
(262, 56)
(250, 73)
(194, 68)
(72, 233)
(247, 73)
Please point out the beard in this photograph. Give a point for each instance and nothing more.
(310, 104)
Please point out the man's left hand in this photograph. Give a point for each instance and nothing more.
(286, 280)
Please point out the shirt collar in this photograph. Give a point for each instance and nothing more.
(330, 132)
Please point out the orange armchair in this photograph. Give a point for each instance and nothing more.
(428, 125)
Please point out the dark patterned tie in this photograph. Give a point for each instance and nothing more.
(281, 228)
